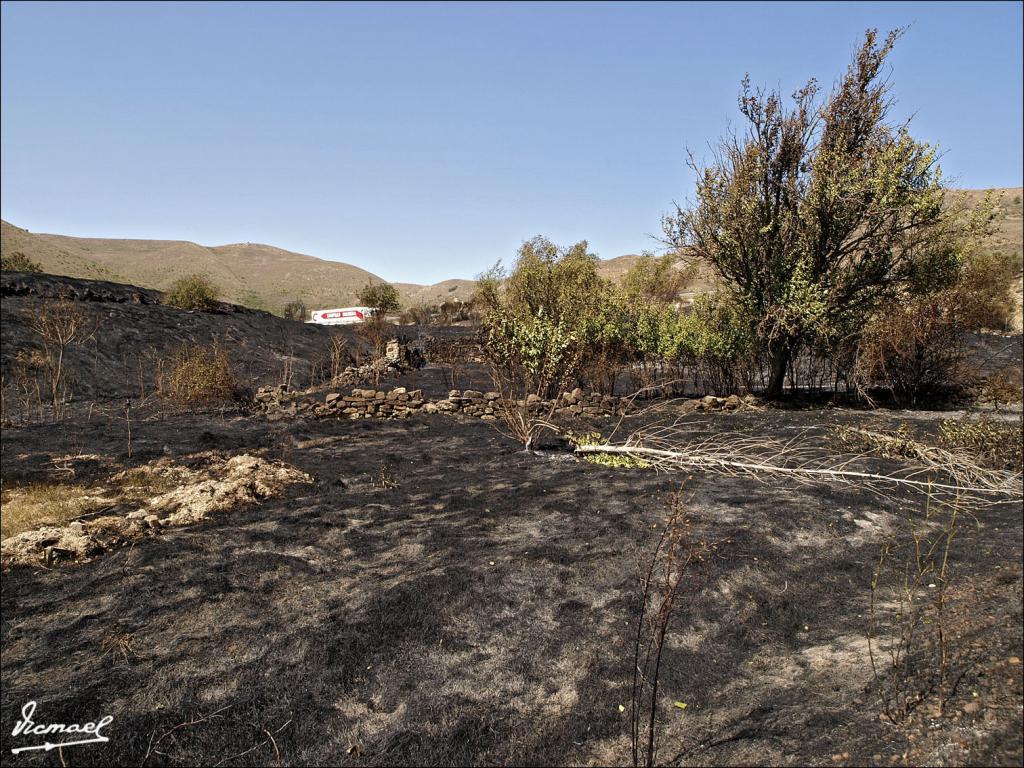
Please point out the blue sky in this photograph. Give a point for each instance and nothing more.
(424, 141)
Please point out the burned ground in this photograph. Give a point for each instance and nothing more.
(436, 595)
(480, 609)
(134, 331)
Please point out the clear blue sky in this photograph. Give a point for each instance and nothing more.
(426, 141)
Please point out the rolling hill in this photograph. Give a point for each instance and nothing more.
(265, 277)
(255, 275)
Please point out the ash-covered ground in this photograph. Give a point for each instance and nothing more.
(437, 595)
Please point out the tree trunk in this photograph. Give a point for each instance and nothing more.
(779, 362)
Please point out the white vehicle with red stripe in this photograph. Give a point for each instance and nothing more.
(341, 316)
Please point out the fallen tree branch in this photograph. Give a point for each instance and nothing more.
(765, 457)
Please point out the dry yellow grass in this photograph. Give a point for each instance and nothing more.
(31, 506)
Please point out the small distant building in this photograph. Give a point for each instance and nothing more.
(340, 316)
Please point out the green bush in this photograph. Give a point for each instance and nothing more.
(193, 292)
(554, 319)
(718, 338)
(18, 262)
(548, 320)
(382, 298)
(531, 355)
(993, 444)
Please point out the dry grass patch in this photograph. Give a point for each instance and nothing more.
(38, 525)
(147, 481)
(32, 506)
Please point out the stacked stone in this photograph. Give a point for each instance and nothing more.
(373, 370)
(730, 403)
(470, 402)
(397, 403)
(361, 404)
(579, 403)
(400, 402)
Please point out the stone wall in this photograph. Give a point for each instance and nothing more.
(400, 402)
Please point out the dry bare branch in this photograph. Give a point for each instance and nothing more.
(932, 470)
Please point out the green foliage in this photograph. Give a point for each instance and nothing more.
(653, 332)
(18, 262)
(994, 444)
(382, 298)
(822, 212)
(543, 322)
(619, 461)
(656, 279)
(193, 292)
(554, 319)
(537, 351)
(563, 282)
(716, 329)
(718, 337)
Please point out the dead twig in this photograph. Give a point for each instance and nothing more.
(268, 740)
(152, 748)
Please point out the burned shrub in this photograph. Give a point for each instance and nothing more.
(58, 326)
(296, 310)
(915, 652)
(196, 374)
(915, 349)
(985, 291)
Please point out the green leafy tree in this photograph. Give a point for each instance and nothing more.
(382, 298)
(817, 213)
(550, 318)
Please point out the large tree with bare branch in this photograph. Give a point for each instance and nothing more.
(819, 210)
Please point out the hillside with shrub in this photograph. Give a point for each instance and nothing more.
(255, 275)
(264, 277)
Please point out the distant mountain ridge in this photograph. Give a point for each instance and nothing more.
(265, 277)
